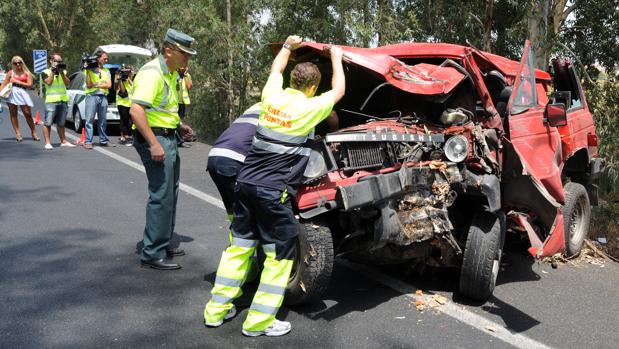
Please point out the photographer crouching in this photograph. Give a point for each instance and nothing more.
(56, 98)
(98, 83)
(124, 93)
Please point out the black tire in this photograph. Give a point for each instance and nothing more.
(313, 264)
(482, 255)
(77, 120)
(576, 217)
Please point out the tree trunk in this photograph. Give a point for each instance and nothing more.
(488, 27)
(230, 89)
(545, 22)
(538, 31)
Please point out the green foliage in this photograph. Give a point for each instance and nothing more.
(603, 101)
(234, 58)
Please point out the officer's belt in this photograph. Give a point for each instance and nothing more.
(158, 131)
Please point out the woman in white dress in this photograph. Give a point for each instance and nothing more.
(21, 78)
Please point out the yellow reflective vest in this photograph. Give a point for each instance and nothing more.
(155, 88)
(102, 76)
(125, 101)
(57, 91)
(184, 92)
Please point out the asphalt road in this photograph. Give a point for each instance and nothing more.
(70, 221)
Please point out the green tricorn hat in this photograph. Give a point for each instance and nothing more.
(181, 40)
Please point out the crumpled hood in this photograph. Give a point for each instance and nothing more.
(423, 79)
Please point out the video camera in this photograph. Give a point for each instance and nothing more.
(89, 61)
(124, 73)
(58, 67)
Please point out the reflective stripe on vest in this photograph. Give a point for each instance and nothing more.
(227, 153)
(282, 137)
(280, 149)
(246, 120)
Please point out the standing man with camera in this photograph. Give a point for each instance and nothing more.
(98, 83)
(154, 111)
(124, 93)
(56, 100)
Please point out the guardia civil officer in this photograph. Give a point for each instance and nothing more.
(154, 111)
(56, 99)
(266, 185)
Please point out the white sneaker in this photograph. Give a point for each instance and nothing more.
(67, 144)
(277, 328)
(230, 315)
(48, 146)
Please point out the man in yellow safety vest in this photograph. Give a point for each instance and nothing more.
(56, 98)
(266, 186)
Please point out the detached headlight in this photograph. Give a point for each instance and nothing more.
(316, 165)
(456, 148)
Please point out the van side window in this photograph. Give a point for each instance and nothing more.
(567, 89)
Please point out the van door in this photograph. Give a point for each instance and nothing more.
(532, 173)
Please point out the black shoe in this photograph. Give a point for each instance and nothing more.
(108, 144)
(160, 264)
(171, 252)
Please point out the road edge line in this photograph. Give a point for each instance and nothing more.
(183, 187)
(450, 309)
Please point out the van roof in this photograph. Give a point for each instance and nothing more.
(116, 49)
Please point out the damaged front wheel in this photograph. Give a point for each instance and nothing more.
(313, 263)
(482, 256)
(576, 217)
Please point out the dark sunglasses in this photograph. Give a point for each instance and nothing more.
(16, 63)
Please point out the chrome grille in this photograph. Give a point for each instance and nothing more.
(363, 155)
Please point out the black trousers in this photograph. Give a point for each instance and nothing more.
(125, 120)
(223, 171)
(265, 214)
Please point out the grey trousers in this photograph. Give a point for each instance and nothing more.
(163, 184)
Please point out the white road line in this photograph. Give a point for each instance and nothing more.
(184, 187)
(453, 310)
(449, 309)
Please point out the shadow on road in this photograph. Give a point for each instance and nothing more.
(71, 289)
(351, 292)
(175, 242)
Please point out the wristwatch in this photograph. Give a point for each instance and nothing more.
(287, 46)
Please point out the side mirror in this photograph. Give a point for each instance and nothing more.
(555, 115)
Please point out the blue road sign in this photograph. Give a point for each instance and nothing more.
(40, 60)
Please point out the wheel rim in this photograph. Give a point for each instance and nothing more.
(577, 225)
(77, 121)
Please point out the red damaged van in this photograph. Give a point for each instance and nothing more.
(442, 150)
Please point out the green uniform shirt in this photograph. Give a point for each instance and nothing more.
(102, 76)
(155, 88)
(57, 91)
